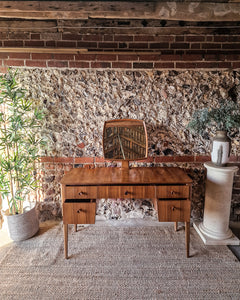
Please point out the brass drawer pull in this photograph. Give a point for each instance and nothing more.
(127, 193)
(174, 192)
(80, 210)
(173, 208)
(82, 193)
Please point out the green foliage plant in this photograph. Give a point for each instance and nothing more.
(19, 143)
(225, 117)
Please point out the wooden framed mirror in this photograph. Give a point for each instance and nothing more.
(125, 139)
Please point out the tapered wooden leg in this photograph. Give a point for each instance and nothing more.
(75, 227)
(187, 237)
(175, 226)
(155, 205)
(65, 229)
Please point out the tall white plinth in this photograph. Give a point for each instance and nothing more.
(214, 230)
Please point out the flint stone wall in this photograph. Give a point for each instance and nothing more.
(77, 102)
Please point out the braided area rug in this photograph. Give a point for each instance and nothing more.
(117, 260)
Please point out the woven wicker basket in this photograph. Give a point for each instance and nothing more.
(23, 226)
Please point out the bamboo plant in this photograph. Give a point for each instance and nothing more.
(19, 143)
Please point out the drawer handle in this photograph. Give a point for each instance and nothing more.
(173, 208)
(80, 210)
(174, 192)
(82, 193)
(126, 193)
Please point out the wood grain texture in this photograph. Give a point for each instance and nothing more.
(81, 192)
(119, 176)
(42, 50)
(65, 234)
(79, 213)
(174, 210)
(126, 191)
(172, 191)
(187, 237)
(185, 11)
(169, 188)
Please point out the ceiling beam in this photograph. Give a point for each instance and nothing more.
(159, 10)
(43, 50)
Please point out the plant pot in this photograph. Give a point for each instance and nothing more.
(220, 150)
(23, 226)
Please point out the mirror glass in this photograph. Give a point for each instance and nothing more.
(125, 139)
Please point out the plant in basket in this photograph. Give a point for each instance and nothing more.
(20, 142)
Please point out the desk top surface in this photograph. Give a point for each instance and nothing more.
(123, 176)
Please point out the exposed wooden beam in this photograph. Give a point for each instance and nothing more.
(186, 11)
(42, 50)
(70, 51)
(198, 11)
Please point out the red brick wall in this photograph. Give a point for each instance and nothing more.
(124, 45)
(122, 61)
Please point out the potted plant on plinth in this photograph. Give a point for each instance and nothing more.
(19, 147)
(222, 119)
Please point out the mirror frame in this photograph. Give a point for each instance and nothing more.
(125, 123)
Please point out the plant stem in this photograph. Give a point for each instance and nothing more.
(12, 208)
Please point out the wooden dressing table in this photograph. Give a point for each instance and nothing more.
(169, 188)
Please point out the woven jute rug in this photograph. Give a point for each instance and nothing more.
(117, 261)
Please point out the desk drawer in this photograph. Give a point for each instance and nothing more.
(174, 210)
(81, 192)
(172, 191)
(79, 212)
(126, 192)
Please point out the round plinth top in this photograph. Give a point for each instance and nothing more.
(228, 168)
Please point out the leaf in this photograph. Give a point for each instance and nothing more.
(20, 142)
(224, 117)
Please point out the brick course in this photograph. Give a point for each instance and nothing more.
(134, 44)
(135, 60)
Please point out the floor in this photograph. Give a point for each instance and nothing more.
(4, 239)
(235, 226)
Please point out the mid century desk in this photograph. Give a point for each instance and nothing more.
(170, 189)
